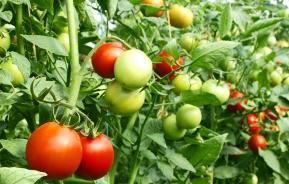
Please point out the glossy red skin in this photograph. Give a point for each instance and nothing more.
(238, 106)
(54, 149)
(164, 68)
(253, 123)
(257, 141)
(97, 157)
(104, 58)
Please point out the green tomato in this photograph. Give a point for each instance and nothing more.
(171, 130)
(270, 66)
(133, 69)
(63, 38)
(180, 17)
(4, 39)
(187, 41)
(254, 75)
(13, 70)
(271, 40)
(123, 101)
(218, 88)
(228, 64)
(284, 13)
(250, 179)
(275, 78)
(233, 77)
(183, 82)
(285, 80)
(188, 116)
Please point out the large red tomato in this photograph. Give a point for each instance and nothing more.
(97, 157)
(257, 141)
(164, 68)
(238, 106)
(54, 149)
(104, 58)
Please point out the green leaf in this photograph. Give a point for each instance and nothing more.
(13, 175)
(241, 18)
(22, 63)
(262, 24)
(212, 147)
(199, 99)
(272, 161)
(166, 169)
(15, 146)
(109, 5)
(212, 53)
(46, 5)
(48, 43)
(149, 155)
(201, 180)
(6, 15)
(19, 2)
(226, 21)
(158, 138)
(172, 49)
(179, 160)
(225, 172)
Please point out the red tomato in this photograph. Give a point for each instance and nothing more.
(97, 157)
(257, 141)
(163, 68)
(104, 58)
(252, 121)
(238, 106)
(54, 149)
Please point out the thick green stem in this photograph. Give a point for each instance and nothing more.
(19, 26)
(134, 172)
(114, 167)
(74, 57)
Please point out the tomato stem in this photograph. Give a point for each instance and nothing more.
(19, 25)
(74, 57)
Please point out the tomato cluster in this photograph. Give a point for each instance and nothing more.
(132, 70)
(60, 151)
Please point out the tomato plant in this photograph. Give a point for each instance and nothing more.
(167, 83)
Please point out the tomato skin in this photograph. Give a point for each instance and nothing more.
(5, 40)
(164, 68)
(171, 130)
(250, 179)
(104, 58)
(13, 70)
(123, 101)
(188, 116)
(63, 38)
(275, 78)
(133, 69)
(155, 3)
(187, 42)
(54, 149)
(257, 141)
(252, 121)
(269, 114)
(217, 88)
(238, 106)
(97, 157)
(180, 16)
(183, 82)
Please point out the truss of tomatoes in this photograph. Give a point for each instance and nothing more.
(60, 151)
